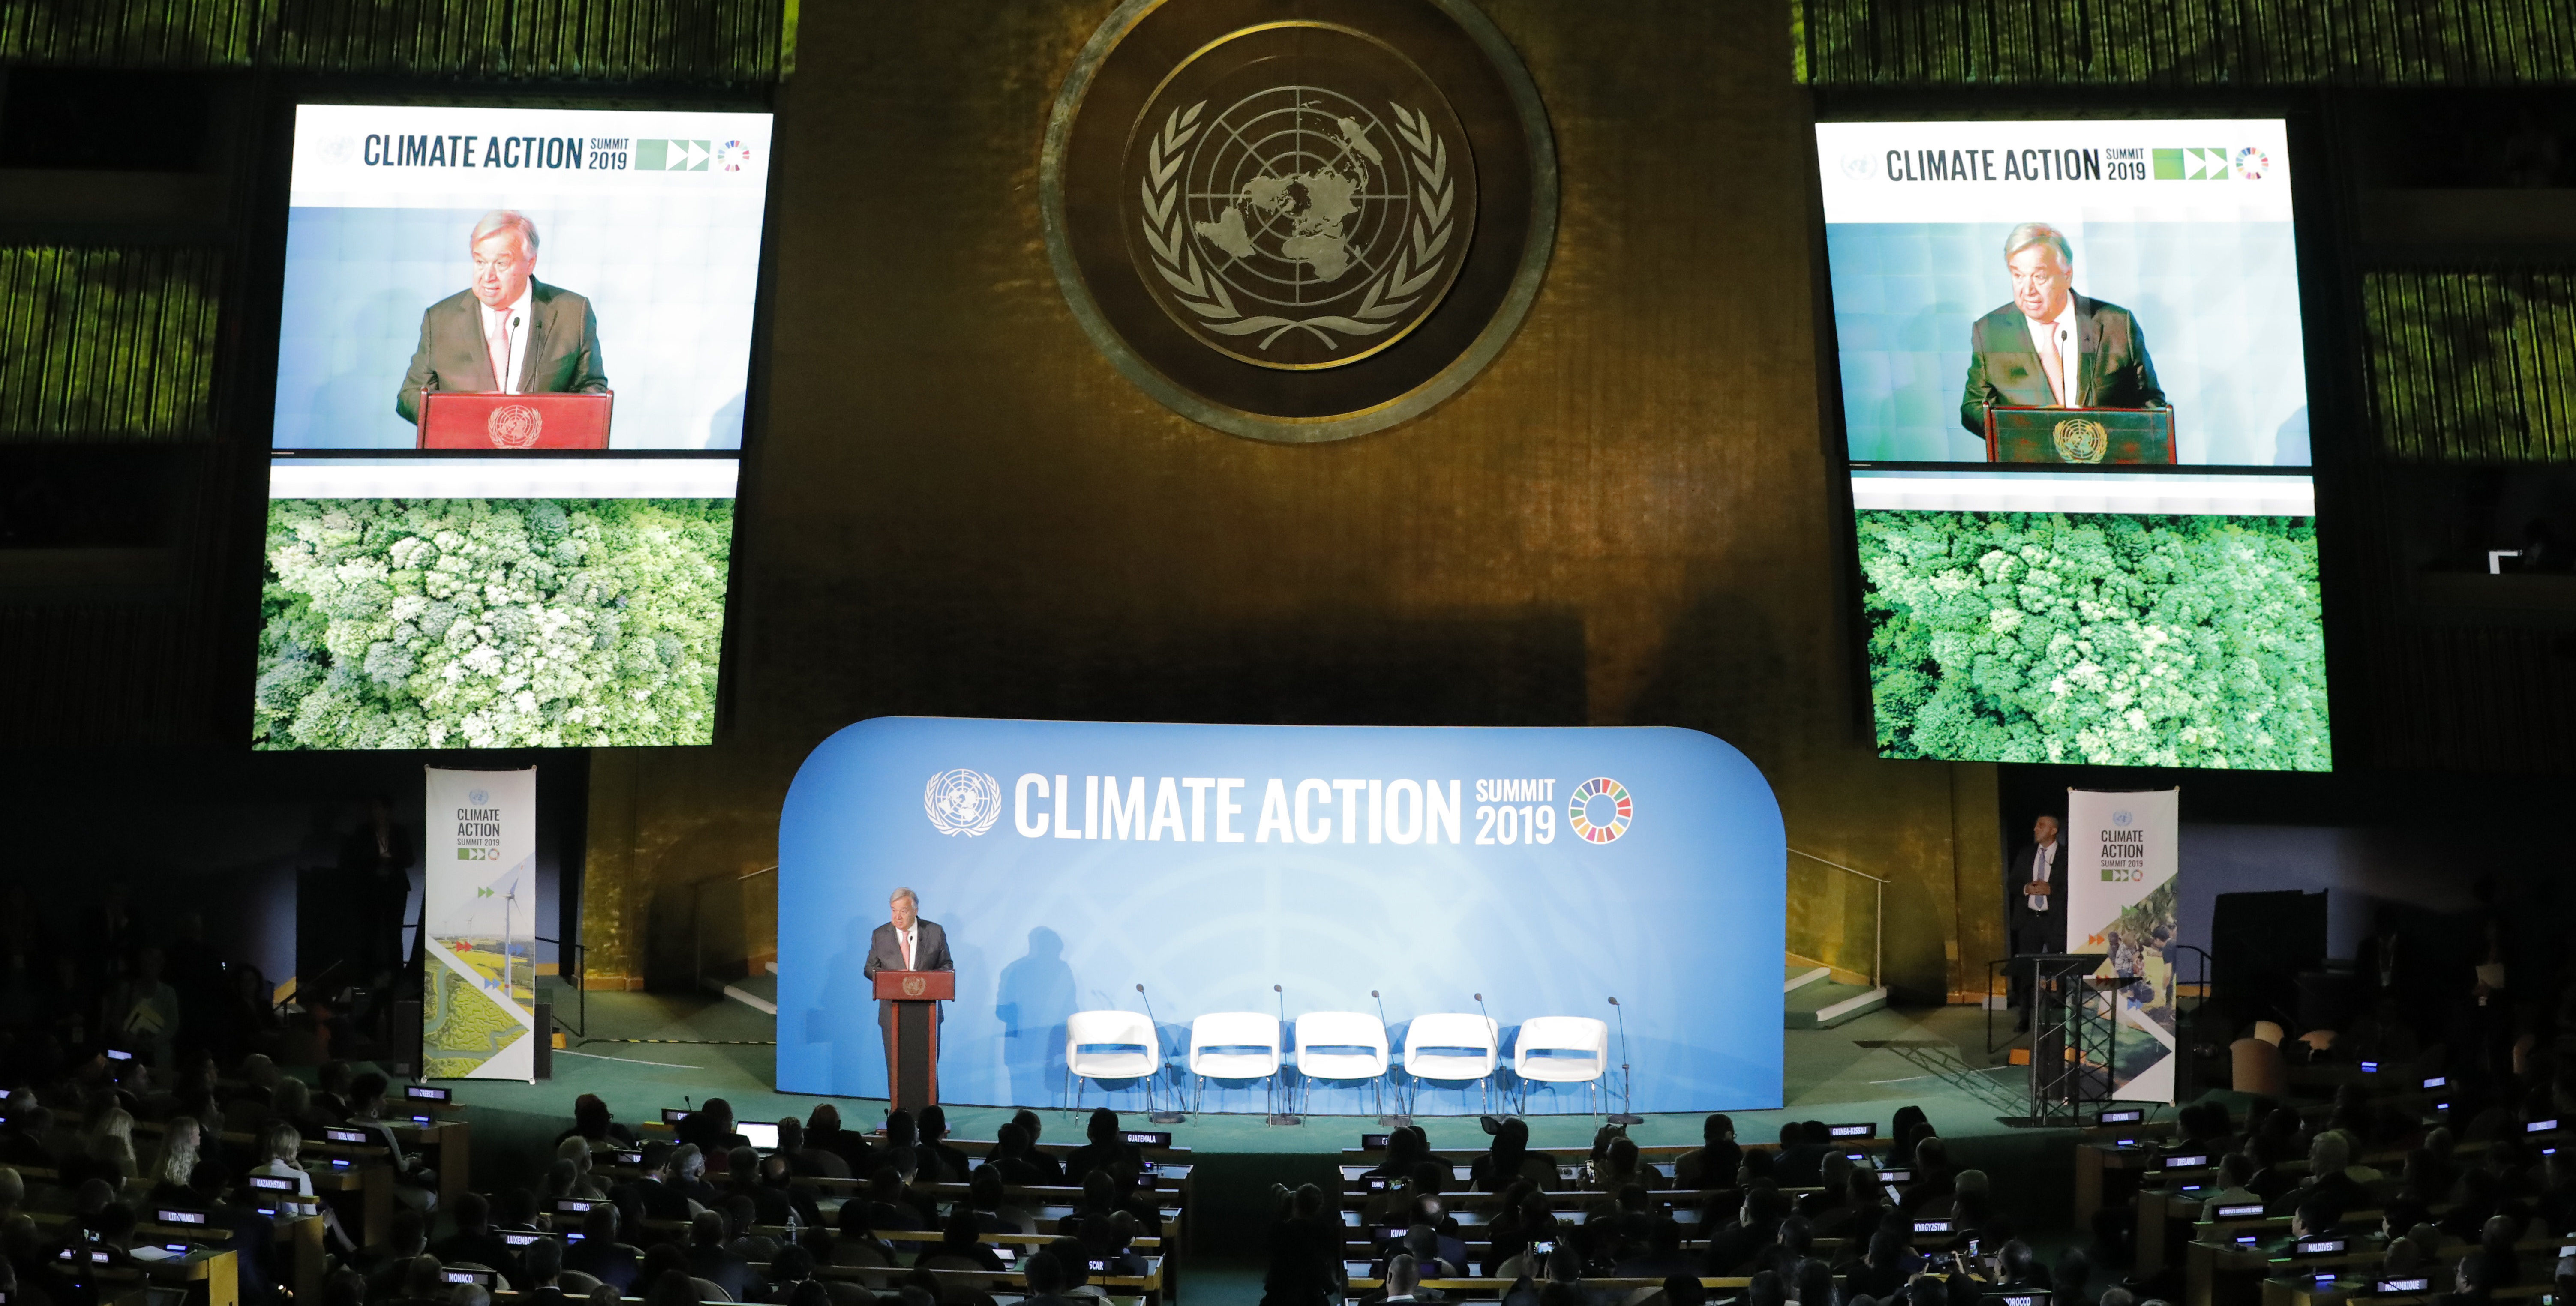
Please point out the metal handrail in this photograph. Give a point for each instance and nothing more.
(1878, 923)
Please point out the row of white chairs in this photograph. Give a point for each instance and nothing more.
(1453, 1048)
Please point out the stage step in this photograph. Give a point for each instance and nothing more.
(1800, 977)
(758, 992)
(1823, 1004)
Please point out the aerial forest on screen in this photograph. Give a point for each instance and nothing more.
(2096, 638)
(491, 623)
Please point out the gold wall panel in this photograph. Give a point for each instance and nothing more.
(960, 508)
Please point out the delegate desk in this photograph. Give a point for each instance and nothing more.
(1146, 1287)
(219, 1268)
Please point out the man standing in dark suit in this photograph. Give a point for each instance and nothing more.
(906, 942)
(2051, 347)
(507, 332)
(2035, 906)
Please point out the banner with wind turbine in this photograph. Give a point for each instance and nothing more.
(478, 1000)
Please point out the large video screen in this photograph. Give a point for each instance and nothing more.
(2074, 397)
(512, 368)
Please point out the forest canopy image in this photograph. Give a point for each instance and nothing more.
(491, 623)
(2096, 637)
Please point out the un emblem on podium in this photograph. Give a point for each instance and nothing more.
(1296, 229)
(914, 986)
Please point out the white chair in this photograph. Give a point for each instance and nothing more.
(1360, 1043)
(1453, 1048)
(1110, 1045)
(1586, 1038)
(1234, 1045)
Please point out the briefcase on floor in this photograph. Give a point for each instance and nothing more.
(498, 423)
(2079, 435)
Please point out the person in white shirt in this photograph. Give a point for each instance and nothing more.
(2034, 906)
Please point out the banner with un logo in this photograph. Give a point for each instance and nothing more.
(478, 998)
(1068, 862)
(2121, 857)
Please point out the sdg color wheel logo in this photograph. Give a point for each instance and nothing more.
(962, 802)
(1600, 810)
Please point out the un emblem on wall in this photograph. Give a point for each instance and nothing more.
(1294, 228)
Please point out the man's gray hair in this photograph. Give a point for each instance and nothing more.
(513, 220)
(901, 894)
(2022, 238)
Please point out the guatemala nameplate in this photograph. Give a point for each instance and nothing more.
(1299, 221)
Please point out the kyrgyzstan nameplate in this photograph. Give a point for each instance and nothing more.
(1299, 221)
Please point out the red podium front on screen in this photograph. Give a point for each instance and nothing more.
(496, 422)
(912, 1044)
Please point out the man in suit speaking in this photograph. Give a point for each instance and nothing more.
(507, 332)
(2034, 907)
(906, 942)
(2051, 347)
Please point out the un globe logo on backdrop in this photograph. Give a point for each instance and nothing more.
(478, 798)
(962, 802)
(1298, 229)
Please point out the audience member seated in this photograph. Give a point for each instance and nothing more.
(414, 1184)
(1713, 1163)
(406, 1239)
(1044, 1275)
(1510, 1159)
(884, 1207)
(1103, 1150)
(711, 1260)
(599, 1254)
(475, 1242)
(802, 1158)
(1403, 1283)
(1934, 1183)
(710, 1129)
(823, 1132)
(592, 1123)
(1663, 1255)
(1305, 1248)
(1802, 1154)
(961, 1247)
(953, 1164)
(1889, 1263)
(1733, 1250)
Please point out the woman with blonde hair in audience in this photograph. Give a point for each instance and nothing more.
(181, 1142)
(577, 1152)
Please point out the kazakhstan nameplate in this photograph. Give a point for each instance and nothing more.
(1305, 225)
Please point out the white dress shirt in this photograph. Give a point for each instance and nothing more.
(518, 322)
(2057, 336)
(2039, 875)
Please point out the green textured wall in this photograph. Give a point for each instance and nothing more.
(959, 508)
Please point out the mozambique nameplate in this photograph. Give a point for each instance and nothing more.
(2079, 435)
(1299, 221)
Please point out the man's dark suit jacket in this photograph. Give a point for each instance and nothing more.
(2036, 932)
(2112, 369)
(562, 357)
(610, 1263)
(885, 952)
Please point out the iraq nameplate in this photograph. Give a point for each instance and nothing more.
(1300, 221)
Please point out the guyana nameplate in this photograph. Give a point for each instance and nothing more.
(1299, 221)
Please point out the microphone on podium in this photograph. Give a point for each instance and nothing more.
(1627, 1077)
(1151, 1114)
(1279, 1076)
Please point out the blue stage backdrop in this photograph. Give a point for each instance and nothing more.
(1548, 869)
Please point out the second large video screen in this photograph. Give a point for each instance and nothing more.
(2074, 395)
(513, 363)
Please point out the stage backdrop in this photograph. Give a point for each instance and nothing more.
(2120, 901)
(478, 1007)
(1548, 869)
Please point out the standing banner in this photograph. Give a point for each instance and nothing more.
(478, 1004)
(2120, 902)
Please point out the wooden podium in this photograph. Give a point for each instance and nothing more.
(912, 1044)
(2130, 436)
(451, 419)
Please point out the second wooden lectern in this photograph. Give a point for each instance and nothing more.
(912, 1045)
